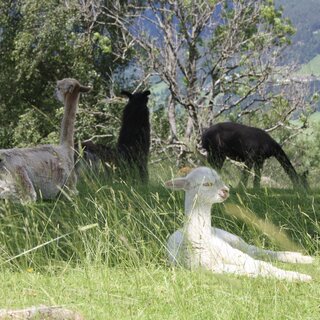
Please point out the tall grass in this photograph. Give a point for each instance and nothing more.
(112, 238)
(129, 224)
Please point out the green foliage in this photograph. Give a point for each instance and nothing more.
(34, 123)
(160, 123)
(100, 121)
(42, 41)
(268, 28)
(306, 148)
(104, 42)
(254, 36)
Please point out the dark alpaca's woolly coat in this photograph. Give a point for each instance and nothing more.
(134, 137)
(245, 144)
(132, 150)
(95, 153)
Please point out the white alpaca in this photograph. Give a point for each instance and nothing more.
(44, 170)
(198, 244)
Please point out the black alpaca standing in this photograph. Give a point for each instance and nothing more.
(132, 150)
(134, 138)
(249, 145)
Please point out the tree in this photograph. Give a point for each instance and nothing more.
(45, 40)
(216, 57)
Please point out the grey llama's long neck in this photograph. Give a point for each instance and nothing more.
(69, 116)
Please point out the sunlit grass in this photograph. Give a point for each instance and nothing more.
(103, 253)
(156, 292)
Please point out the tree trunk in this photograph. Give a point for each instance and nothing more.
(193, 125)
(172, 120)
(189, 128)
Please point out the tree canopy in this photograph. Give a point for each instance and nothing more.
(43, 41)
(217, 58)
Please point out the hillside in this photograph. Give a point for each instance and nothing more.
(305, 18)
(312, 67)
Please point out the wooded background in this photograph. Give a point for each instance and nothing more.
(204, 62)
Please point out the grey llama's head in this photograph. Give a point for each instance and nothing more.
(67, 87)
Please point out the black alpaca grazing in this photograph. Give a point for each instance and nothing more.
(249, 145)
(132, 150)
(134, 138)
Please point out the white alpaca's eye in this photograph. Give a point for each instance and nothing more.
(207, 184)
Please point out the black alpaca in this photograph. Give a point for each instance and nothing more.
(95, 154)
(134, 137)
(132, 150)
(249, 145)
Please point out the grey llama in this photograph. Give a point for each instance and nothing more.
(26, 173)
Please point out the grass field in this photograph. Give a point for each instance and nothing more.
(102, 254)
(312, 67)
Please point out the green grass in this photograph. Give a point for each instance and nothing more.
(154, 292)
(115, 268)
(312, 67)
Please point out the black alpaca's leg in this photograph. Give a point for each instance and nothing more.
(245, 173)
(257, 174)
(143, 171)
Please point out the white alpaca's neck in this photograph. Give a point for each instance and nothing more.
(198, 223)
(69, 116)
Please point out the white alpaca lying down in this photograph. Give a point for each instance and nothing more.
(198, 244)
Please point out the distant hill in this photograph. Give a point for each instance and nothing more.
(305, 16)
(312, 67)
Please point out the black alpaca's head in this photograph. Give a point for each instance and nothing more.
(138, 97)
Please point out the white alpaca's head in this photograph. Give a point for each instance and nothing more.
(203, 183)
(67, 87)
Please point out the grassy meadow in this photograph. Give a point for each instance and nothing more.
(312, 67)
(103, 254)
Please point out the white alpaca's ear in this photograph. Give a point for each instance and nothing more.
(178, 184)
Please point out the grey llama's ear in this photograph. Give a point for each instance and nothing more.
(126, 93)
(178, 184)
(84, 88)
